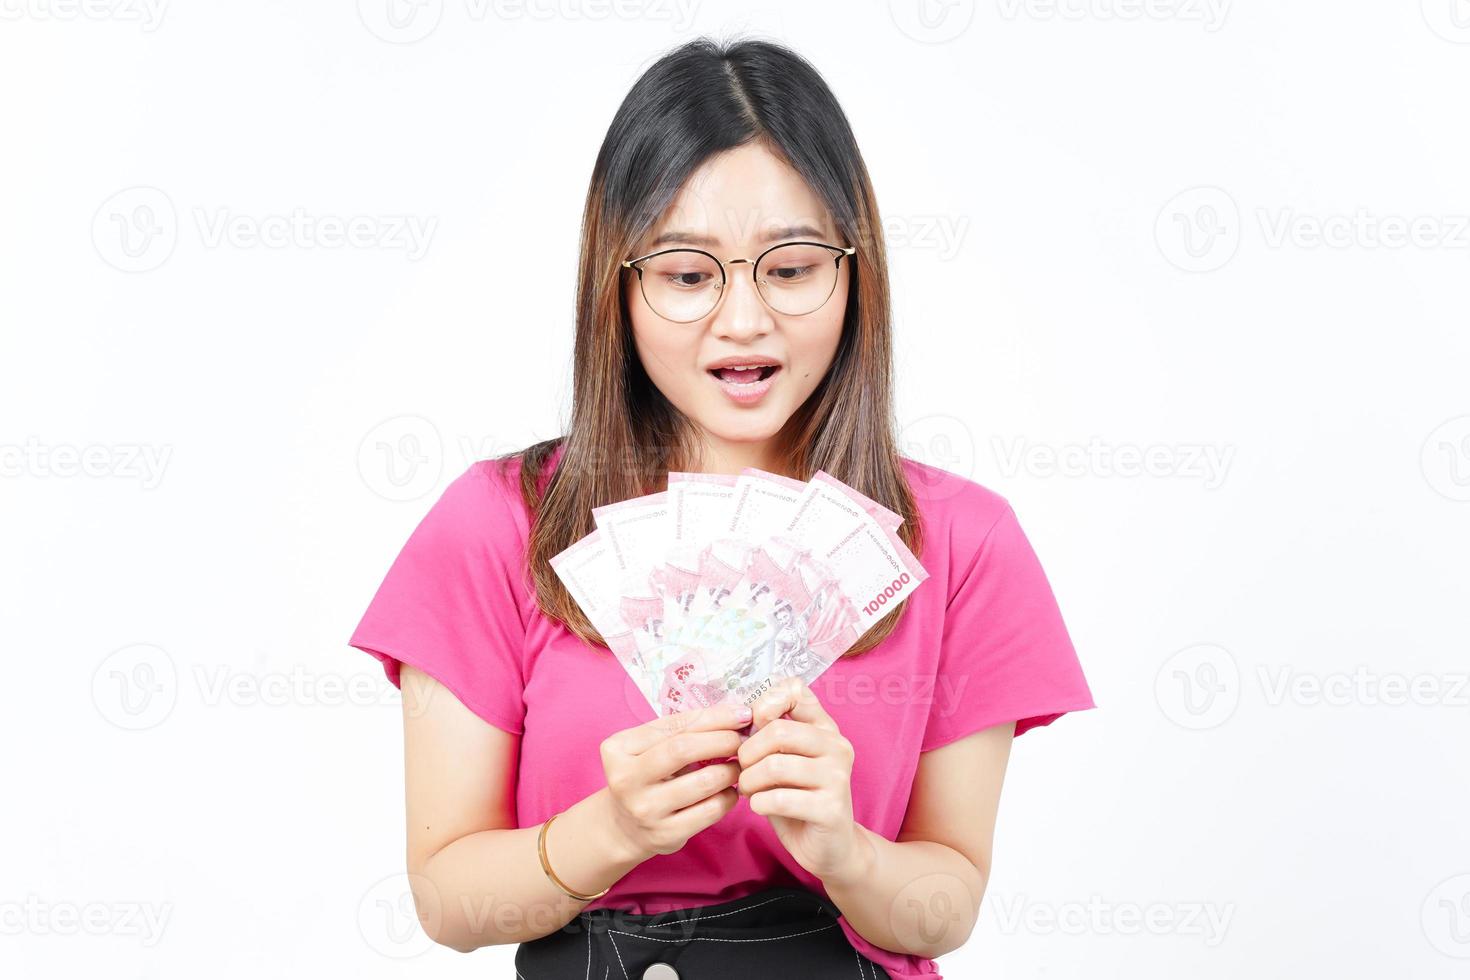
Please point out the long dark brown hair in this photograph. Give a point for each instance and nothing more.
(700, 99)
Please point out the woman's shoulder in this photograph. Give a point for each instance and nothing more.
(944, 496)
(486, 499)
(496, 480)
(960, 517)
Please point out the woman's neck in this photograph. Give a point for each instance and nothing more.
(729, 458)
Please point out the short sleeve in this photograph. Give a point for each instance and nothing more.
(448, 604)
(1005, 653)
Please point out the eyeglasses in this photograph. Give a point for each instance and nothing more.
(686, 284)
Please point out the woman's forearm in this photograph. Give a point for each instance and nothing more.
(488, 888)
(918, 896)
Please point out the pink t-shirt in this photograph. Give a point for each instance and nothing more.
(981, 643)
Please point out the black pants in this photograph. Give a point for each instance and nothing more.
(779, 932)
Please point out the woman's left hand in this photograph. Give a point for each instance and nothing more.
(797, 772)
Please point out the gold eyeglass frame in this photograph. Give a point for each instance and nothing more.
(842, 252)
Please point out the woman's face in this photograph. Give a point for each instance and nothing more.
(736, 205)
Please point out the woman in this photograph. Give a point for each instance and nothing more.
(730, 221)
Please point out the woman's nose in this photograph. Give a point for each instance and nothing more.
(742, 312)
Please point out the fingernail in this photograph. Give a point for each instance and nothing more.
(743, 713)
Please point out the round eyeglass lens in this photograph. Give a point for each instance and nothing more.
(797, 279)
(681, 285)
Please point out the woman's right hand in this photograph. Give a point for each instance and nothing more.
(657, 805)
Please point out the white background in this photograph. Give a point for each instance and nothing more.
(1228, 240)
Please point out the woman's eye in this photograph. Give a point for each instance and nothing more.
(790, 273)
(686, 278)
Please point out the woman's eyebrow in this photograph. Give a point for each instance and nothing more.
(677, 236)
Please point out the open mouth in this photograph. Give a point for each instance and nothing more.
(751, 376)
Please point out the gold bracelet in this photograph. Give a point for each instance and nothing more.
(546, 865)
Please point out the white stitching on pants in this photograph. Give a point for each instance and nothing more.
(701, 939)
(720, 915)
(588, 926)
(619, 955)
(772, 939)
(712, 939)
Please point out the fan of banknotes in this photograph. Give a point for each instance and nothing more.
(719, 586)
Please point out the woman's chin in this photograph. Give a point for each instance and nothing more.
(753, 430)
